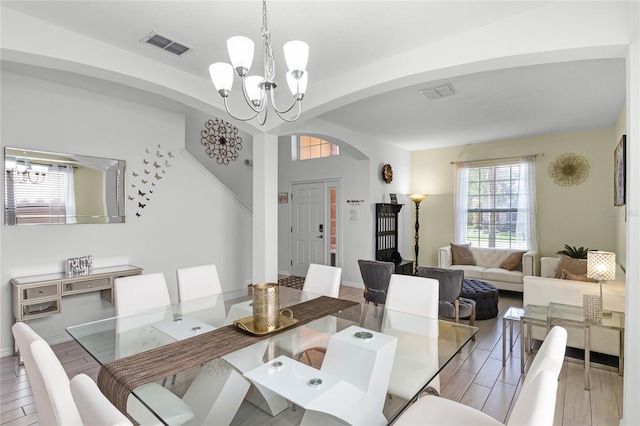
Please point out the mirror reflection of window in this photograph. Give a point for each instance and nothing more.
(45, 201)
(53, 188)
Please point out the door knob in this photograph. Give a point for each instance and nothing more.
(320, 236)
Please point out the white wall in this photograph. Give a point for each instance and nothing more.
(237, 176)
(631, 408)
(190, 218)
(581, 215)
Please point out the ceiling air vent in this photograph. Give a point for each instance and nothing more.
(438, 92)
(165, 43)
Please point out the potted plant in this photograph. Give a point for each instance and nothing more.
(572, 251)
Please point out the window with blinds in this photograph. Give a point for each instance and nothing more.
(36, 203)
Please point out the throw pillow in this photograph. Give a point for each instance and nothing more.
(571, 265)
(576, 277)
(513, 261)
(461, 255)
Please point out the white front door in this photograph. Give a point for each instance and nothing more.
(307, 226)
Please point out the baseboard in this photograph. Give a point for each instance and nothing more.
(352, 284)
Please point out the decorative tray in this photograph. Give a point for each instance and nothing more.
(246, 324)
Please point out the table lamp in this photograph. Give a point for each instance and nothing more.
(417, 198)
(601, 266)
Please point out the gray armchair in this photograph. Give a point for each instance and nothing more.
(451, 304)
(376, 276)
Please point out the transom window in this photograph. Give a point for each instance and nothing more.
(309, 147)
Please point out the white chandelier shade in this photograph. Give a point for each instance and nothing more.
(241, 54)
(296, 54)
(255, 88)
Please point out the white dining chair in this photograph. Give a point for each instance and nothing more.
(413, 295)
(534, 407)
(51, 387)
(49, 381)
(138, 293)
(417, 334)
(550, 356)
(93, 406)
(197, 282)
(323, 280)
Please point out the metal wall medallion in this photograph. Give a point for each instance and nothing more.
(221, 140)
(569, 169)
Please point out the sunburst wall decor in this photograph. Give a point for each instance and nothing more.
(569, 169)
(221, 140)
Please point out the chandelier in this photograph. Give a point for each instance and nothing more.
(257, 89)
(22, 171)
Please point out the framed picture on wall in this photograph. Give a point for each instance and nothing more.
(394, 198)
(619, 172)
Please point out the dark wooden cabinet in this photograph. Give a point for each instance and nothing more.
(387, 237)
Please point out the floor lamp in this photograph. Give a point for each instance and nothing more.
(417, 198)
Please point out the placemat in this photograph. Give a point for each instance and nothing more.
(118, 378)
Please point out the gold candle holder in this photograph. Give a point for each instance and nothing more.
(266, 307)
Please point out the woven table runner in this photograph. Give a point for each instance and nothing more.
(118, 378)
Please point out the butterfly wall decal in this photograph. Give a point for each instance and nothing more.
(137, 214)
(170, 154)
(145, 161)
(158, 176)
(159, 155)
(146, 172)
(130, 197)
(167, 164)
(135, 174)
(144, 182)
(141, 194)
(156, 165)
(142, 206)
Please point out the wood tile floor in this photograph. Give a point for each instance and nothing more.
(475, 378)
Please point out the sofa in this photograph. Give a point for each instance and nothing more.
(487, 266)
(546, 289)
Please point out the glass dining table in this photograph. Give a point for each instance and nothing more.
(336, 359)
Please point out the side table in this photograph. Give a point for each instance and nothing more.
(533, 315)
(512, 314)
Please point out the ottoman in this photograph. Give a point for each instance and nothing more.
(485, 295)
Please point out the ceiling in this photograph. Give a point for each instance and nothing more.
(346, 36)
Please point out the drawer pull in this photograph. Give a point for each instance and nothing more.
(40, 292)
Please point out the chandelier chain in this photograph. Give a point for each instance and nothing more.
(269, 64)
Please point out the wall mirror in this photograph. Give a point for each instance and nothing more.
(53, 188)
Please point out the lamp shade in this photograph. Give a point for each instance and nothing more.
(222, 76)
(297, 86)
(601, 265)
(241, 53)
(417, 198)
(296, 53)
(255, 91)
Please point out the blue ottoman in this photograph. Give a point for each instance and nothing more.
(485, 295)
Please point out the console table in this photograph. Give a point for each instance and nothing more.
(38, 296)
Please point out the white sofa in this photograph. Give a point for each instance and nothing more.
(487, 267)
(546, 289)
